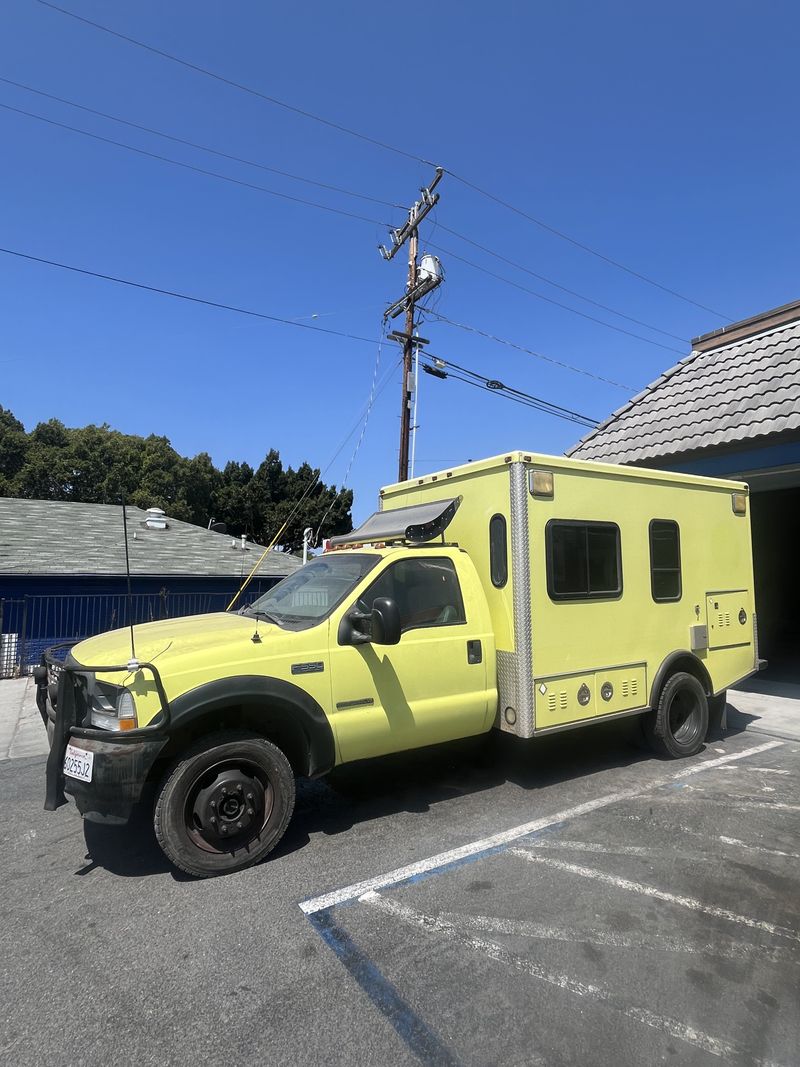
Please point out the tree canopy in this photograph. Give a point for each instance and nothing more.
(99, 465)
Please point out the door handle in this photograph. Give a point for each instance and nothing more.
(474, 652)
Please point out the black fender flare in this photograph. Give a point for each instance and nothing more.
(684, 659)
(272, 703)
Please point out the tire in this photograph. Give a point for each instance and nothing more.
(717, 717)
(678, 726)
(224, 804)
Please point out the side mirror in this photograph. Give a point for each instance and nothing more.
(382, 625)
(385, 621)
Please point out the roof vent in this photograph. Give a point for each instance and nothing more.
(156, 519)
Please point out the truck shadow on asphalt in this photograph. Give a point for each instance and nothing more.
(412, 781)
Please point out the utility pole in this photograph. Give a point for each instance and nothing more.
(418, 285)
(408, 355)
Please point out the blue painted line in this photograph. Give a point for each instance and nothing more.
(417, 1037)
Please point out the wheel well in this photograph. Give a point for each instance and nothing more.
(681, 662)
(277, 727)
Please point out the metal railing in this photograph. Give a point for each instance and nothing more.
(30, 624)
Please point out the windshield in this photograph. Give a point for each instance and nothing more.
(311, 593)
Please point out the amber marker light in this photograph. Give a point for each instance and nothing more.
(540, 483)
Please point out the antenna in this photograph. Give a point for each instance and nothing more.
(133, 663)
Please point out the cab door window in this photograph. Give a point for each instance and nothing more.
(426, 592)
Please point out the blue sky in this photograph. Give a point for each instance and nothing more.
(661, 136)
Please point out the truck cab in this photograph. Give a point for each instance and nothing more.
(373, 647)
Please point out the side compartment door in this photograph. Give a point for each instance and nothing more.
(432, 685)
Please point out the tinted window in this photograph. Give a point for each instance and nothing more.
(665, 559)
(583, 560)
(426, 592)
(498, 551)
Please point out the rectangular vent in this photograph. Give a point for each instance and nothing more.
(563, 700)
(551, 703)
(626, 689)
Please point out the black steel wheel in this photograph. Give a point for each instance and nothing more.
(679, 724)
(224, 804)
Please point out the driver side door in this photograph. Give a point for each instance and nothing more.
(432, 685)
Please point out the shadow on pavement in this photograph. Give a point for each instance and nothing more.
(408, 782)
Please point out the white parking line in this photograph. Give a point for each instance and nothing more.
(704, 765)
(657, 894)
(666, 1025)
(735, 950)
(506, 837)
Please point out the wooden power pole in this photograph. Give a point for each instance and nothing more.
(415, 289)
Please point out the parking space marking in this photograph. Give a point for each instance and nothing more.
(657, 894)
(705, 765)
(666, 1025)
(497, 841)
(758, 848)
(736, 950)
(732, 804)
(417, 1036)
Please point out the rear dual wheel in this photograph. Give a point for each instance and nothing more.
(678, 726)
(224, 804)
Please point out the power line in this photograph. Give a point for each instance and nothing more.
(578, 244)
(527, 399)
(379, 144)
(529, 351)
(200, 147)
(557, 285)
(185, 296)
(374, 392)
(550, 300)
(318, 475)
(191, 166)
(435, 366)
(237, 85)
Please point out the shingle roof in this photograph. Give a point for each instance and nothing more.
(728, 390)
(55, 537)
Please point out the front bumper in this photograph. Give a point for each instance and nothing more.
(119, 775)
(122, 762)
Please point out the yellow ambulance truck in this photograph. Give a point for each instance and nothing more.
(525, 592)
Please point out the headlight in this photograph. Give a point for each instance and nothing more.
(113, 707)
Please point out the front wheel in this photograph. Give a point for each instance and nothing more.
(679, 724)
(224, 804)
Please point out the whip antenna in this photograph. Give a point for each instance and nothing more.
(133, 663)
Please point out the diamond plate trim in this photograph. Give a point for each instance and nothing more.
(507, 690)
(521, 592)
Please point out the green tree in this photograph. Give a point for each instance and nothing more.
(13, 450)
(97, 464)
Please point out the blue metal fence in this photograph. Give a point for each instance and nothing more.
(30, 624)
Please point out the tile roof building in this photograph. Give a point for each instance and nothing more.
(731, 409)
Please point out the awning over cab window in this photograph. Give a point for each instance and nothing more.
(417, 524)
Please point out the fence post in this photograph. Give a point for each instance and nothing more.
(23, 634)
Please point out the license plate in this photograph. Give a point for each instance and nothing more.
(78, 763)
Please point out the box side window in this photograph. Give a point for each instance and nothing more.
(498, 551)
(584, 560)
(665, 560)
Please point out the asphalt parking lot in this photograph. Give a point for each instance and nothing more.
(570, 901)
